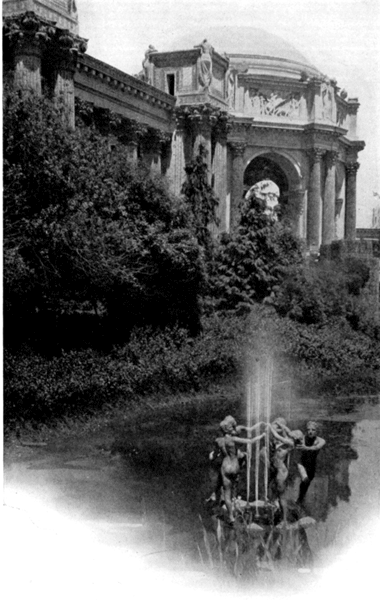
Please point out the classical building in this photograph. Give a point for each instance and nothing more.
(261, 110)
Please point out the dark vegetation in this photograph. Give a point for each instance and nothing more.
(114, 289)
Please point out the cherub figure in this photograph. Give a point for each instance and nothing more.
(307, 461)
(281, 443)
(230, 457)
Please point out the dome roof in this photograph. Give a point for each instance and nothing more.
(244, 43)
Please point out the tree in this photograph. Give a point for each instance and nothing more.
(254, 260)
(84, 230)
(201, 199)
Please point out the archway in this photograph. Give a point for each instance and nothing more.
(285, 174)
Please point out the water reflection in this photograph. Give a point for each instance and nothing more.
(345, 488)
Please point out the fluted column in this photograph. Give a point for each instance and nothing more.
(220, 178)
(67, 48)
(176, 171)
(350, 214)
(328, 214)
(314, 200)
(237, 187)
(25, 38)
(27, 70)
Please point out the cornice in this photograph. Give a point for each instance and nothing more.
(125, 83)
(181, 57)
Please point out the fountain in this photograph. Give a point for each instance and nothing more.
(276, 523)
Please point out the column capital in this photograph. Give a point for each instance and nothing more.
(316, 154)
(27, 32)
(202, 117)
(332, 157)
(237, 148)
(30, 34)
(352, 168)
(70, 45)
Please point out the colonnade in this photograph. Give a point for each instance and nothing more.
(320, 204)
(43, 52)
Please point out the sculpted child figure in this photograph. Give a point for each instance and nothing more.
(225, 447)
(307, 461)
(281, 443)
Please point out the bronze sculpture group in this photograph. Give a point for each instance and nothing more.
(227, 460)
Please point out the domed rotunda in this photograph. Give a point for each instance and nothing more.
(263, 111)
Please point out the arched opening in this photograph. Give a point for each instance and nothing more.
(285, 173)
(263, 167)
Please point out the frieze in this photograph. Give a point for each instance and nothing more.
(274, 104)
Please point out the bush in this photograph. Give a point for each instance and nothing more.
(81, 382)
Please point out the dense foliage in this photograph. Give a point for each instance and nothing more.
(85, 231)
(254, 260)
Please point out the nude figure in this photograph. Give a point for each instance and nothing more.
(307, 461)
(225, 447)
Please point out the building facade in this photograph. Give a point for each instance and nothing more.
(260, 109)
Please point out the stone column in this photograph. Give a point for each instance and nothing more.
(314, 200)
(25, 37)
(350, 215)
(27, 66)
(328, 214)
(176, 171)
(219, 170)
(67, 49)
(64, 92)
(237, 187)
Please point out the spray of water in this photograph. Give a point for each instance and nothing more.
(259, 408)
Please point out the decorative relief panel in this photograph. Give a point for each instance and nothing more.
(274, 104)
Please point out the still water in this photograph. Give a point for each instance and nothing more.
(342, 498)
(106, 514)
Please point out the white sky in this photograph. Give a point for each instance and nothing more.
(340, 37)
